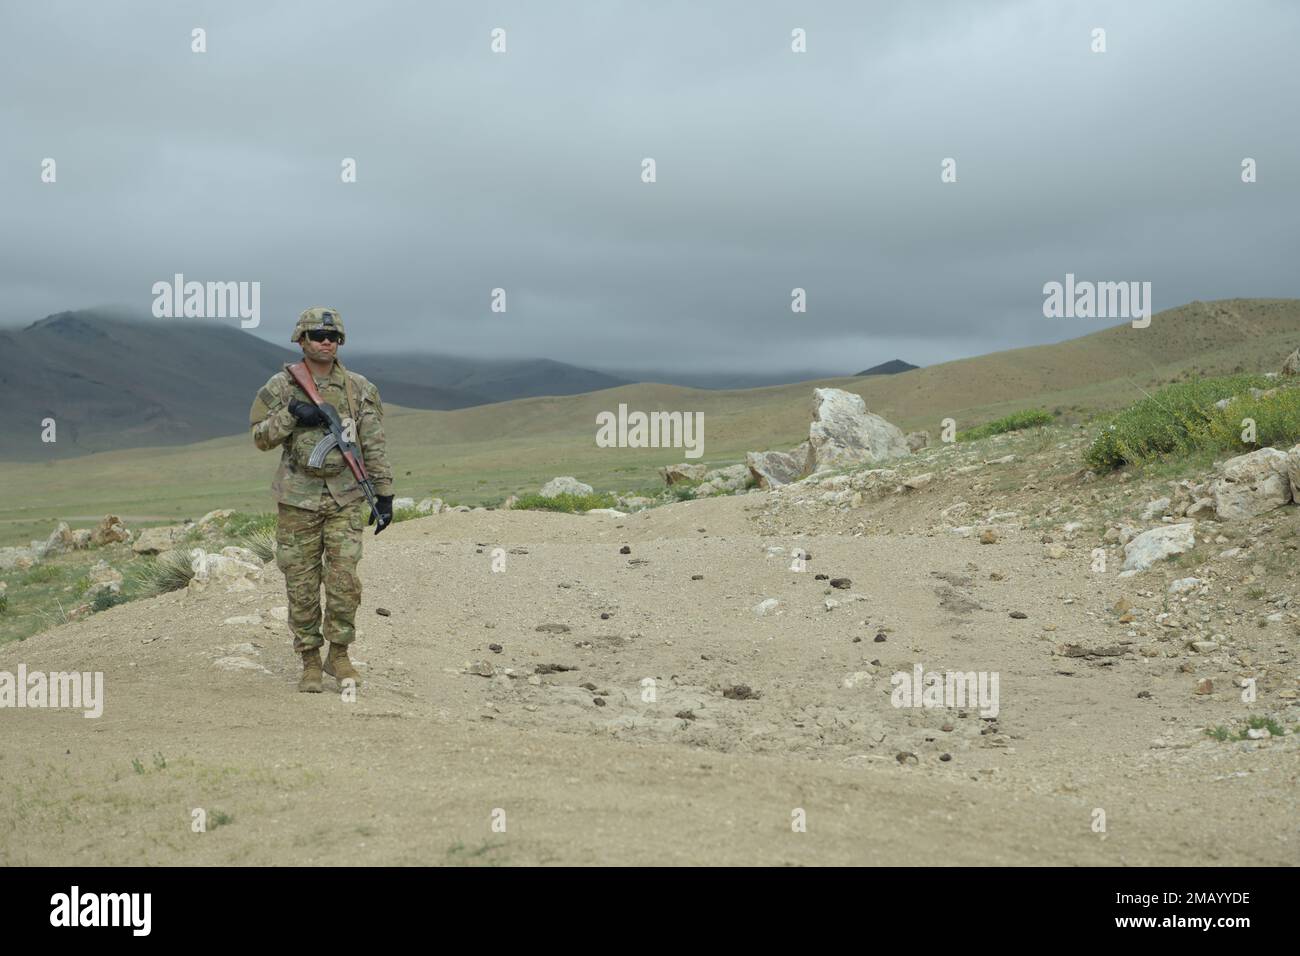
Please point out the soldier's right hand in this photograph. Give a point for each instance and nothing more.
(306, 413)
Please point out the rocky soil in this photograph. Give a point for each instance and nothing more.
(689, 684)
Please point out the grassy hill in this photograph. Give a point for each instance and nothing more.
(112, 381)
(481, 454)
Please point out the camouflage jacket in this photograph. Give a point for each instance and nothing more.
(296, 482)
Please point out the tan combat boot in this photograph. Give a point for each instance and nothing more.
(310, 681)
(339, 667)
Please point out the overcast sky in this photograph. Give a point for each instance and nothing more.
(775, 169)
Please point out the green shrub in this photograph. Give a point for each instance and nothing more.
(4, 603)
(1276, 418)
(1175, 419)
(106, 599)
(1030, 418)
(169, 571)
(569, 503)
(405, 514)
(261, 542)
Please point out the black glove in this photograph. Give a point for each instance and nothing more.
(384, 505)
(306, 413)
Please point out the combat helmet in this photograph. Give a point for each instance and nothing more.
(319, 317)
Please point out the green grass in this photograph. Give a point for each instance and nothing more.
(406, 514)
(41, 574)
(243, 524)
(1174, 420)
(569, 503)
(1030, 418)
(1224, 734)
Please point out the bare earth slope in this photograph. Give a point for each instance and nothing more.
(413, 770)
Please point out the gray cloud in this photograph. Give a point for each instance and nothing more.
(775, 170)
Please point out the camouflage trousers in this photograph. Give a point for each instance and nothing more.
(315, 547)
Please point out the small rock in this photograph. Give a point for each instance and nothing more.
(988, 536)
(1205, 686)
(244, 620)
(383, 612)
(841, 583)
(1019, 615)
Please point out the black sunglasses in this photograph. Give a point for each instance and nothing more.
(324, 335)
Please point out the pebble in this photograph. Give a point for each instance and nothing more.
(383, 612)
(1019, 615)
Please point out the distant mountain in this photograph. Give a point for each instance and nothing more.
(110, 381)
(722, 379)
(892, 367)
(481, 381)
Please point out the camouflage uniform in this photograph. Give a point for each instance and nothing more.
(322, 511)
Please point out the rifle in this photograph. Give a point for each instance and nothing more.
(335, 439)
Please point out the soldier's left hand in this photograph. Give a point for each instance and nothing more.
(384, 505)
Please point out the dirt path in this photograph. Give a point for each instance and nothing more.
(414, 770)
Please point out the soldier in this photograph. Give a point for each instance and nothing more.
(322, 511)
